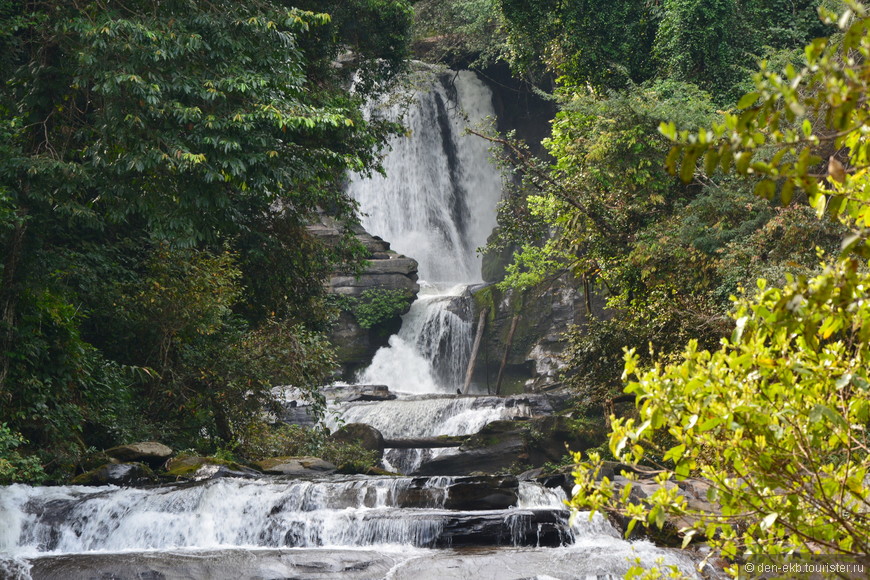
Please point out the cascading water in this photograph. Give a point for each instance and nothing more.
(436, 204)
(278, 528)
(437, 201)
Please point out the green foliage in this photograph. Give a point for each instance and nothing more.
(158, 166)
(791, 122)
(181, 295)
(609, 46)
(700, 41)
(375, 306)
(605, 45)
(222, 382)
(15, 467)
(460, 29)
(776, 418)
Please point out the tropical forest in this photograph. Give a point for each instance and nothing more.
(434, 289)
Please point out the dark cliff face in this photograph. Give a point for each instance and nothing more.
(518, 106)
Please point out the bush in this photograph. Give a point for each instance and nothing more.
(380, 305)
(15, 467)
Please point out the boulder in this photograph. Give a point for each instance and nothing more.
(476, 493)
(116, 474)
(150, 452)
(296, 466)
(353, 393)
(365, 435)
(198, 468)
(503, 446)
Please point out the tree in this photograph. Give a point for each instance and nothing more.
(776, 418)
(192, 136)
(605, 45)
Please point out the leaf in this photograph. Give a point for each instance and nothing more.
(687, 171)
(711, 161)
(823, 411)
(849, 242)
(768, 521)
(687, 538)
(787, 192)
(748, 100)
(765, 188)
(675, 453)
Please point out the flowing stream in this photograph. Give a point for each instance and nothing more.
(344, 527)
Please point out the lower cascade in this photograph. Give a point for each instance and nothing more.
(352, 526)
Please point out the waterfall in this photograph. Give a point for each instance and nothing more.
(436, 204)
(437, 201)
(271, 513)
(430, 352)
(430, 416)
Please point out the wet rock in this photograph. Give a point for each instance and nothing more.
(365, 435)
(482, 493)
(319, 564)
(694, 490)
(496, 448)
(535, 352)
(198, 468)
(545, 528)
(352, 393)
(461, 493)
(506, 445)
(116, 474)
(150, 452)
(296, 466)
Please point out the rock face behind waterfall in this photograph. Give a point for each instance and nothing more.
(384, 270)
(543, 314)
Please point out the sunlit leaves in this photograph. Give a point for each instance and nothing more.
(781, 127)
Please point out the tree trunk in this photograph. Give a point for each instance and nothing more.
(481, 322)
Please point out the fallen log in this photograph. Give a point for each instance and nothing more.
(426, 442)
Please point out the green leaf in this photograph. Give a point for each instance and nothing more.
(768, 521)
(748, 100)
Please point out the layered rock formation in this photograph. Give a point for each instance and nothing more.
(385, 270)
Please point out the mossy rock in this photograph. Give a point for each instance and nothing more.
(150, 452)
(95, 460)
(296, 466)
(364, 435)
(116, 474)
(196, 467)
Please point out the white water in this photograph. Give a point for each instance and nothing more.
(436, 204)
(229, 512)
(437, 201)
(431, 351)
(427, 417)
(342, 513)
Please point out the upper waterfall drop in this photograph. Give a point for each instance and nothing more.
(438, 200)
(437, 204)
